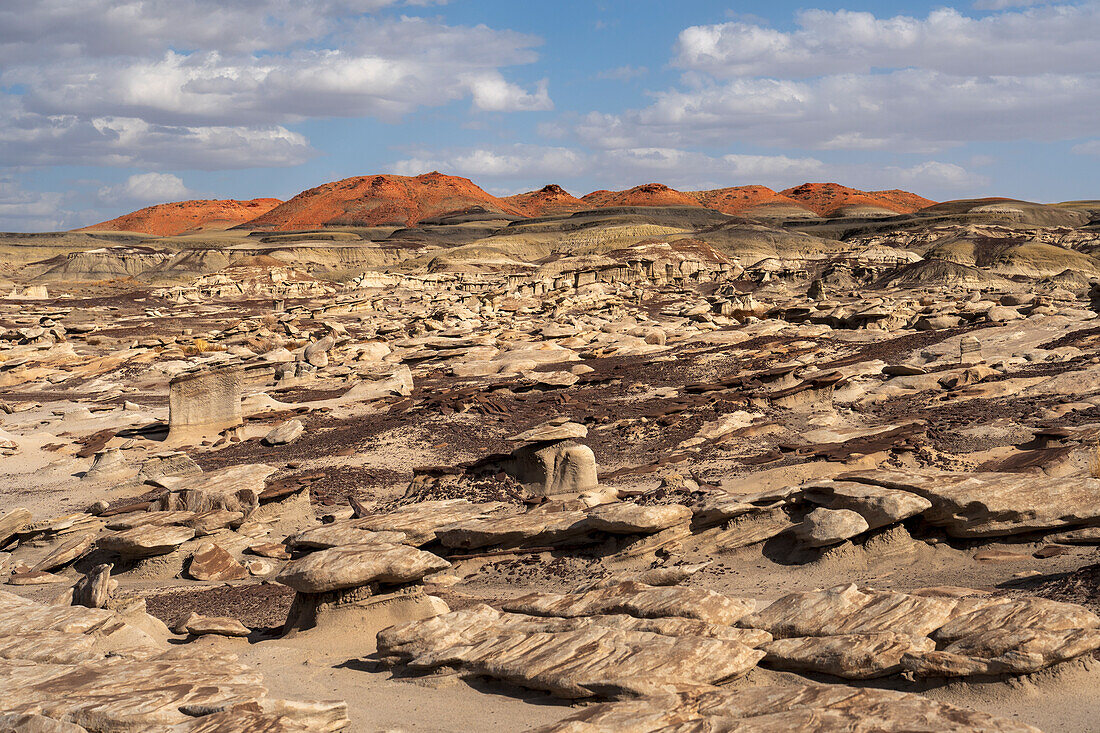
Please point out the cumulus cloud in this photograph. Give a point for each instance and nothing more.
(48, 29)
(22, 210)
(145, 187)
(853, 81)
(28, 139)
(200, 72)
(1054, 39)
(622, 167)
(501, 168)
(1005, 4)
(934, 175)
(526, 161)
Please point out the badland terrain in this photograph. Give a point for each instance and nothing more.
(399, 454)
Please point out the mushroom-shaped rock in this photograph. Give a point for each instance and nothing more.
(355, 565)
(878, 505)
(561, 467)
(823, 527)
(630, 518)
(146, 541)
(556, 429)
(317, 352)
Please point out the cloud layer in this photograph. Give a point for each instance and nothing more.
(206, 84)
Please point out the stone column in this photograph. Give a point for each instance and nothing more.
(204, 403)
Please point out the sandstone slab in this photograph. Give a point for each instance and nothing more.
(636, 599)
(771, 709)
(357, 565)
(146, 540)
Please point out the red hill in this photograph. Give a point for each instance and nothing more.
(650, 194)
(166, 220)
(907, 202)
(552, 199)
(832, 199)
(744, 200)
(379, 201)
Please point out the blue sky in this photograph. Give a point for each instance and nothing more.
(109, 105)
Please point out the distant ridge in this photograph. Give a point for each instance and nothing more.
(404, 201)
(180, 217)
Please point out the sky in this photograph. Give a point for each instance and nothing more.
(107, 106)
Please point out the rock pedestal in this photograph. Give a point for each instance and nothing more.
(366, 587)
(552, 462)
(204, 403)
(559, 467)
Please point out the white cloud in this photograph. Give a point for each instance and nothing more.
(232, 76)
(492, 93)
(623, 167)
(146, 187)
(902, 111)
(502, 169)
(22, 210)
(28, 139)
(49, 29)
(1005, 4)
(1090, 147)
(934, 175)
(1054, 39)
(390, 69)
(526, 161)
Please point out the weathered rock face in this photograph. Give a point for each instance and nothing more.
(823, 527)
(199, 625)
(783, 708)
(337, 534)
(94, 589)
(628, 518)
(211, 562)
(234, 489)
(636, 599)
(1024, 613)
(848, 609)
(568, 660)
(146, 541)
(91, 668)
(66, 553)
(858, 633)
(532, 528)
(1003, 651)
(286, 433)
(561, 467)
(852, 656)
(357, 565)
(552, 430)
(994, 504)
(420, 522)
(317, 352)
(12, 522)
(204, 403)
(880, 507)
